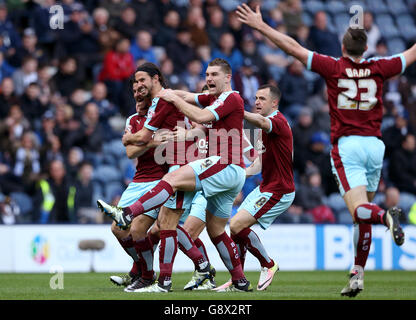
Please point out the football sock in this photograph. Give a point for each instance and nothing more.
(255, 247)
(201, 247)
(128, 245)
(241, 244)
(369, 213)
(167, 252)
(362, 242)
(229, 255)
(144, 249)
(154, 239)
(150, 200)
(188, 247)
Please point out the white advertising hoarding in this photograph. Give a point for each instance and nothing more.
(40, 248)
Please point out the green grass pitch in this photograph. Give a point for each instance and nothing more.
(312, 285)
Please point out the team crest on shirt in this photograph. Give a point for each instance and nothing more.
(217, 103)
(206, 163)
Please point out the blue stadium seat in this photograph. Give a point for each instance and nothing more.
(377, 6)
(229, 5)
(397, 6)
(387, 26)
(334, 7)
(313, 6)
(344, 217)
(336, 202)
(406, 26)
(106, 173)
(116, 148)
(396, 45)
(342, 21)
(113, 189)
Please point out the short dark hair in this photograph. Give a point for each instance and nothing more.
(151, 69)
(274, 90)
(355, 42)
(225, 66)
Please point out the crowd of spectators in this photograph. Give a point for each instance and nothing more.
(65, 95)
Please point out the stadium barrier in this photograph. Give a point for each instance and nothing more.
(42, 248)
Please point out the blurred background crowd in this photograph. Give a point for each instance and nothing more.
(65, 95)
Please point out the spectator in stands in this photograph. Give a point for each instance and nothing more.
(73, 162)
(107, 36)
(373, 34)
(180, 51)
(114, 7)
(292, 15)
(402, 167)
(302, 130)
(147, 14)
(25, 75)
(323, 40)
(249, 50)
(55, 196)
(227, 50)
(193, 75)
(142, 47)
(167, 30)
(9, 210)
(311, 195)
(8, 181)
(216, 26)
(7, 97)
(235, 27)
(167, 69)
(126, 23)
(66, 80)
(196, 24)
(77, 101)
(27, 161)
(204, 55)
(32, 107)
(6, 70)
(296, 89)
(44, 77)
(117, 68)
(12, 128)
(10, 36)
(90, 135)
(392, 199)
(106, 108)
(85, 210)
(246, 81)
(393, 136)
(276, 59)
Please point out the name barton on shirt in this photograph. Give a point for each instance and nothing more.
(360, 73)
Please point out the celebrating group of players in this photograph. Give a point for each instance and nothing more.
(199, 137)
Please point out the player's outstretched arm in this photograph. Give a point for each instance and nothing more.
(410, 55)
(187, 96)
(284, 42)
(192, 112)
(258, 120)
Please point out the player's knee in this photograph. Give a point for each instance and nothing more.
(192, 231)
(138, 231)
(235, 226)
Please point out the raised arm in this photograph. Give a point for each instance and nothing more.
(187, 96)
(284, 42)
(410, 55)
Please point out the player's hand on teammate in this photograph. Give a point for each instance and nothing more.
(168, 95)
(163, 136)
(249, 17)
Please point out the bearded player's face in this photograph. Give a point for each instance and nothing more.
(144, 84)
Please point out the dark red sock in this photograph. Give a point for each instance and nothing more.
(188, 247)
(144, 249)
(128, 245)
(241, 243)
(369, 213)
(229, 255)
(167, 252)
(150, 200)
(201, 247)
(362, 243)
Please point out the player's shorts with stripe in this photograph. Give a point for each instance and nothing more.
(357, 161)
(265, 207)
(181, 199)
(220, 183)
(136, 190)
(199, 204)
